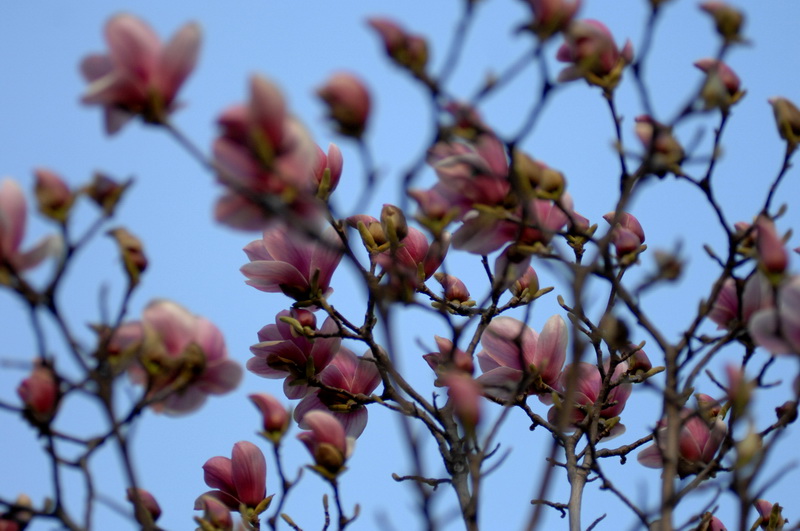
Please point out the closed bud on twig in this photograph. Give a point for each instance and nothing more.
(54, 196)
(727, 18)
(132, 253)
(106, 192)
(393, 223)
(787, 118)
(348, 103)
(39, 393)
(275, 418)
(145, 506)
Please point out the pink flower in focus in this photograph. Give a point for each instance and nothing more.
(291, 263)
(327, 442)
(13, 214)
(266, 160)
(348, 103)
(284, 353)
(242, 479)
(699, 442)
(778, 328)
(512, 351)
(351, 374)
(454, 289)
(590, 47)
(139, 76)
(328, 171)
(627, 234)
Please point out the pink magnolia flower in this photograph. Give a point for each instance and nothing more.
(627, 234)
(663, 153)
(769, 515)
(13, 214)
(526, 285)
(589, 385)
(465, 394)
(180, 355)
(348, 103)
(756, 295)
(787, 118)
(53, 195)
(266, 160)
(407, 50)
(346, 372)
(772, 253)
(512, 350)
(552, 16)
(39, 393)
(283, 353)
(327, 442)
(242, 479)
(454, 289)
(139, 76)
(215, 513)
(699, 442)
(727, 18)
(722, 87)
(328, 171)
(449, 358)
(275, 418)
(148, 503)
(291, 263)
(778, 328)
(590, 47)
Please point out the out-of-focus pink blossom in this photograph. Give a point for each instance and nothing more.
(449, 358)
(778, 328)
(266, 160)
(727, 18)
(512, 351)
(552, 16)
(526, 285)
(722, 87)
(465, 393)
(328, 170)
(275, 418)
(589, 384)
(283, 353)
(140, 75)
(594, 55)
(407, 50)
(351, 374)
(756, 295)
(699, 441)
(53, 195)
(711, 523)
(348, 103)
(772, 253)
(148, 503)
(627, 234)
(787, 118)
(180, 355)
(327, 442)
(638, 361)
(242, 479)
(769, 515)
(663, 153)
(13, 217)
(39, 393)
(291, 263)
(215, 513)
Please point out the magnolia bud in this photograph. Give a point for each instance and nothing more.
(53, 195)
(393, 223)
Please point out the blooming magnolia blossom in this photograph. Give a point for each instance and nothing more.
(351, 374)
(291, 263)
(179, 354)
(699, 441)
(327, 442)
(13, 217)
(283, 353)
(139, 76)
(215, 513)
(590, 47)
(266, 160)
(242, 479)
(512, 350)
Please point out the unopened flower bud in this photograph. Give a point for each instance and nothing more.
(106, 192)
(53, 195)
(146, 507)
(708, 407)
(132, 253)
(393, 223)
(406, 50)
(216, 515)
(772, 253)
(787, 117)
(348, 103)
(728, 20)
(454, 288)
(39, 394)
(274, 416)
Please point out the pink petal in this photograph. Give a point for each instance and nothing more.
(551, 350)
(327, 429)
(509, 342)
(177, 60)
(13, 211)
(174, 324)
(134, 46)
(249, 473)
(221, 378)
(270, 276)
(651, 457)
(218, 474)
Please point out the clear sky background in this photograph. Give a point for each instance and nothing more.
(195, 262)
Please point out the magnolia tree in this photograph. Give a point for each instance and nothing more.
(480, 238)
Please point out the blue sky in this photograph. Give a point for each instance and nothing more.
(195, 262)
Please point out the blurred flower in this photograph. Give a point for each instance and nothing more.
(139, 76)
(348, 103)
(449, 358)
(291, 263)
(39, 393)
(284, 353)
(13, 214)
(772, 254)
(727, 18)
(148, 504)
(465, 394)
(709, 522)
(551, 16)
(275, 418)
(406, 50)
(699, 441)
(266, 160)
(349, 373)
(663, 153)
(778, 328)
(242, 479)
(722, 87)
(513, 351)
(787, 118)
(769, 516)
(627, 234)
(327, 442)
(182, 358)
(216, 515)
(53, 195)
(590, 47)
